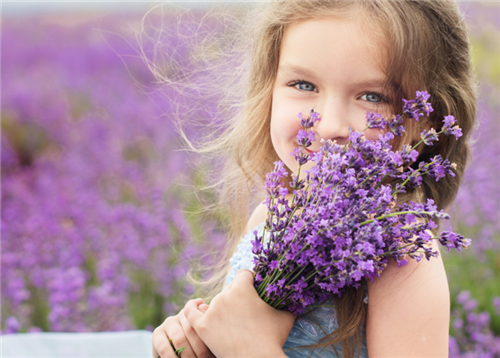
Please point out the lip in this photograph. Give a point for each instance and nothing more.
(311, 151)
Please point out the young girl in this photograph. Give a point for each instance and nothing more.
(343, 58)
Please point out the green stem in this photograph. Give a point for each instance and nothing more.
(421, 141)
(407, 245)
(396, 214)
(177, 351)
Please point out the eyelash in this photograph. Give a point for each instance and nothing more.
(383, 99)
(297, 82)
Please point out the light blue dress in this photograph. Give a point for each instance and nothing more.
(306, 330)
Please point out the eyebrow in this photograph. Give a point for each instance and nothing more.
(382, 83)
(296, 69)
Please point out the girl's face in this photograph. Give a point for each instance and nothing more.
(334, 66)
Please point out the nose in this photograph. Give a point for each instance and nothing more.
(334, 123)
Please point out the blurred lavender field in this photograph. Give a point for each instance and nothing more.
(98, 224)
(96, 192)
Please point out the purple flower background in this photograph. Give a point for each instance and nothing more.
(96, 191)
(97, 200)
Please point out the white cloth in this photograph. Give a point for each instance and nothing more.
(137, 344)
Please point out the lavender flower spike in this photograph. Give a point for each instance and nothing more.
(344, 222)
(448, 129)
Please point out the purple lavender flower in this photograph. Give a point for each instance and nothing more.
(496, 304)
(12, 325)
(374, 120)
(413, 108)
(453, 240)
(305, 139)
(429, 137)
(343, 223)
(421, 102)
(471, 334)
(449, 129)
(309, 121)
(395, 125)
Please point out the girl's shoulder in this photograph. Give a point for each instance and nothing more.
(409, 309)
(258, 216)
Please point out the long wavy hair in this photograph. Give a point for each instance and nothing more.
(427, 48)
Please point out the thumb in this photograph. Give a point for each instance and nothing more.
(243, 277)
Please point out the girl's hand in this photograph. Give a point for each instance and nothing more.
(178, 329)
(238, 323)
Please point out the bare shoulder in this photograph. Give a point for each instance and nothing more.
(409, 310)
(258, 216)
(422, 273)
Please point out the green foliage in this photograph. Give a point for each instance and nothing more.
(480, 277)
(486, 55)
(145, 304)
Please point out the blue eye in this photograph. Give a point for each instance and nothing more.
(303, 86)
(373, 97)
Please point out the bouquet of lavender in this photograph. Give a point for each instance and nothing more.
(342, 222)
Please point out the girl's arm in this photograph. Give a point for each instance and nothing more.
(409, 311)
(239, 323)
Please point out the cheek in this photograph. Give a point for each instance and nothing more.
(284, 129)
(284, 125)
(372, 134)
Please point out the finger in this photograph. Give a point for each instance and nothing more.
(181, 345)
(203, 308)
(179, 340)
(200, 349)
(161, 345)
(193, 314)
